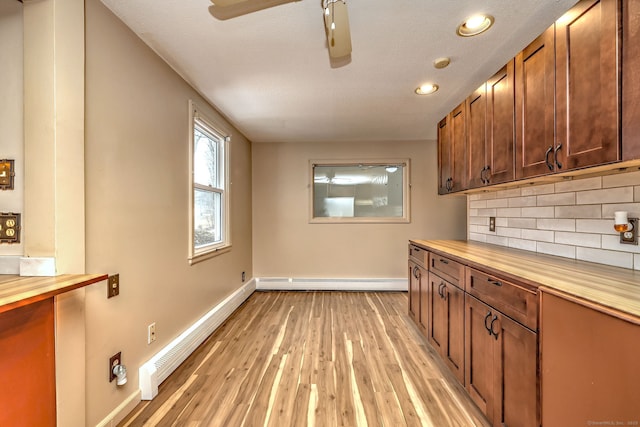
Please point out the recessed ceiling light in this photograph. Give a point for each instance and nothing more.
(475, 25)
(427, 89)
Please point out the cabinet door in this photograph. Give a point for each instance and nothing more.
(587, 82)
(516, 376)
(535, 99)
(453, 300)
(590, 356)
(476, 105)
(630, 79)
(437, 332)
(458, 147)
(423, 316)
(444, 156)
(500, 126)
(414, 290)
(479, 357)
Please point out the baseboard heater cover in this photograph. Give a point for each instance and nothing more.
(160, 366)
(321, 284)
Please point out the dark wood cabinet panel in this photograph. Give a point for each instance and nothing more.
(587, 85)
(630, 79)
(458, 148)
(591, 356)
(500, 145)
(479, 358)
(414, 291)
(444, 156)
(535, 99)
(476, 106)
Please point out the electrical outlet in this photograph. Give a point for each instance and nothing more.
(243, 277)
(114, 360)
(113, 286)
(492, 223)
(151, 333)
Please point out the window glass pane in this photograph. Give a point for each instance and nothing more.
(205, 160)
(358, 191)
(207, 218)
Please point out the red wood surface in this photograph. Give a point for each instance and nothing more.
(27, 366)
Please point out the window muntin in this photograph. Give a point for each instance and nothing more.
(363, 191)
(209, 197)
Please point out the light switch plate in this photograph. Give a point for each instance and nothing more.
(113, 286)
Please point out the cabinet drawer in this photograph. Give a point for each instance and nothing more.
(515, 301)
(419, 255)
(448, 269)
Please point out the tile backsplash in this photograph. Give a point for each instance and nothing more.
(571, 219)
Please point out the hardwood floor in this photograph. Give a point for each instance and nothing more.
(312, 359)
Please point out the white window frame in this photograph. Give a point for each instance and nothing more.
(200, 119)
(406, 192)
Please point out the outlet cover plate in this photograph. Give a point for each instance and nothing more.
(113, 286)
(492, 223)
(114, 360)
(630, 237)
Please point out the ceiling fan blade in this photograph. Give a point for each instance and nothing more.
(336, 24)
(226, 9)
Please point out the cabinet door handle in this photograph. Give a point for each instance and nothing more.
(440, 289)
(491, 332)
(555, 155)
(416, 272)
(485, 322)
(494, 282)
(484, 169)
(546, 157)
(444, 261)
(487, 169)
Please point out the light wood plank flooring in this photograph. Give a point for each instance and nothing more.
(312, 359)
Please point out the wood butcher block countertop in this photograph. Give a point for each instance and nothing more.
(18, 291)
(612, 287)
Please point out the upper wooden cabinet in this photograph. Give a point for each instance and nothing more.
(535, 99)
(587, 85)
(630, 79)
(452, 151)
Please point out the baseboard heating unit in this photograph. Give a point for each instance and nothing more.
(313, 284)
(160, 366)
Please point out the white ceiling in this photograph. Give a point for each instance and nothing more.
(269, 72)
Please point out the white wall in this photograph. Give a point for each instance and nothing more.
(11, 117)
(572, 219)
(285, 244)
(137, 194)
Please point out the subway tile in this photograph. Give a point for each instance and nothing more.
(613, 243)
(556, 224)
(527, 245)
(539, 235)
(502, 222)
(609, 195)
(509, 212)
(578, 239)
(534, 190)
(579, 185)
(636, 262)
(497, 240)
(538, 212)
(632, 208)
(486, 212)
(518, 202)
(621, 179)
(564, 251)
(483, 196)
(603, 256)
(601, 226)
(478, 237)
(509, 232)
(584, 211)
(478, 220)
(521, 222)
(636, 194)
(512, 192)
(498, 203)
(473, 212)
(473, 228)
(557, 199)
(477, 204)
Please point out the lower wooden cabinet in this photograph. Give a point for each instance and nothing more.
(446, 323)
(590, 368)
(501, 366)
(418, 295)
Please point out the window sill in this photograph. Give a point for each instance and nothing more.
(209, 254)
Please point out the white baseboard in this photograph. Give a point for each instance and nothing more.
(302, 284)
(160, 366)
(121, 411)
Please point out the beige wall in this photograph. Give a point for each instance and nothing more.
(286, 245)
(11, 117)
(137, 186)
